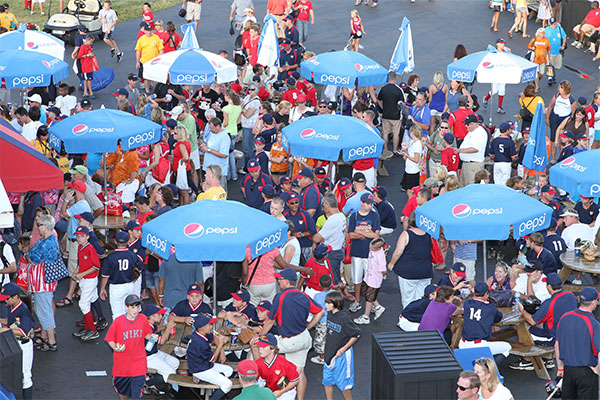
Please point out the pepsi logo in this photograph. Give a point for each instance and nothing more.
(32, 45)
(214, 64)
(358, 67)
(567, 161)
(46, 63)
(461, 210)
(570, 163)
(80, 129)
(308, 133)
(155, 61)
(487, 65)
(193, 230)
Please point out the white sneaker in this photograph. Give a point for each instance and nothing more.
(378, 311)
(317, 360)
(579, 45)
(574, 43)
(576, 282)
(354, 307)
(362, 320)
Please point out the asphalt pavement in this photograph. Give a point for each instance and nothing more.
(437, 27)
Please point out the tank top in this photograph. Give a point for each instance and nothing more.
(570, 126)
(452, 101)
(356, 24)
(438, 101)
(497, 286)
(296, 245)
(415, 261)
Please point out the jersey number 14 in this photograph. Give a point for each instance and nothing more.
(475, 314)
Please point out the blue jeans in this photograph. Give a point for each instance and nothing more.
(302, 30)
(61, 227)
(232, 173)
(247, 144)
(335, 258)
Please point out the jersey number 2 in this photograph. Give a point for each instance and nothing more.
(475, 314)
(124, 265)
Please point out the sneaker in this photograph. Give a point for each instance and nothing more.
(500, 110)
(378, 311)
(549, 363)
(101, 324)
(317, 360)
(119, 57)
(113, 52)
(576, 282)
(91, 335)
(80, 332)
(354, 307)
(362, 320)
(575, 42)
(579, 45)
(485, 104)
(522, 365)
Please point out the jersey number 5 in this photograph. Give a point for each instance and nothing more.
(123, 265)
(475, 314)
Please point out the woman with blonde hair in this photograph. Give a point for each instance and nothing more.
(491, 387)
(452, 183)
(412, 156)
(282, 113)
(181, 155)
(438, 92)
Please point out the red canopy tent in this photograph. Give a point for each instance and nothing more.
(22, 166)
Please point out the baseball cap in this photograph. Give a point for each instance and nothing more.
(533, 266)
(366, 198)
(82, 27)
(259, 139)
(322, 101)
(449, 138)
(500, 40)
(470, 119)
(287, 273)
(171, 123)
(121, 92)
(242, 295)
(459, 269)
(133, 224)
(152, 309)
(570, 213)
(247, 367)
(505, 126)
(88, 216)
(145, 26)
(78, 169)
(176, 111)
(267, 119)
(122, 237)
(567, 134)
(85, 103)
(293, 196)
(286, 41)
(301, 99)
(82, 230)
(321, 250)
(77, 185)
(295, 182)
(306, 172)
(54, 110)
(132, 299)
(431, 182)
(203, 320)
(10, 289)
(132, 77)
(344, 183)
(285, 180)
(432, 287)
(194, 288)
(253, 165)
(36, 98)
(320, 172)
(264, 305)
(288, 18)
(332, 105)
(247, 9)
(553, 279)
(481, 288)
(548, 189)
(552, 21)
(268, 190)
(290, 81)
(296, 75)
(587, 294)
(582, 100)
(359, 177)
(583, 136)
(381, 191)
(267, 340)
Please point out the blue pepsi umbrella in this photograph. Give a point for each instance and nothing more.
(98, 131)
(343, 68)
(578, 174)
(403, 58)
(101, 79)
(30, 40)
(324, 136)
(536, 154)
(27, 68)
(214, 230)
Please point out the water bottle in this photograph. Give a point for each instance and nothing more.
(517, 301)
(150, 343)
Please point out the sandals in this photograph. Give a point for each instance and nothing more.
(510, 34)
(64, 302)
(39, 342)
(48, 347)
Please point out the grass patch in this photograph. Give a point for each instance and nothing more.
(126, 9)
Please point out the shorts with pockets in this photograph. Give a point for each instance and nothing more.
(129, 386)
(342, 373)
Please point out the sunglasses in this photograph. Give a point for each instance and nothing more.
(293, 203)
(462, 388)
(324, 106)
(482, 362)
(444, 127)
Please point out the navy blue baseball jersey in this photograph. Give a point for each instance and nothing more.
(263, 161)
(587, 216)
(552, 310)
(253, 189)
(446, 281)
(185, 309)
(578, 336)
(96, 243)
(310, 199)
(270, 137)
(555, 245)
(566, 152)
(303, 222)
(357, 222)
(325, 186)
(20, 315)
(387, 214)
(415, 310)
(118, 266)
(503, 149)
(266, 207)
(479, 317)
(199, 353)
(556, 209)
(290, 317)
(547, 259)
(249, 311)
(137, 249)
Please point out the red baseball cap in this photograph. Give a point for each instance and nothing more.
(247, 367)
(77, 185)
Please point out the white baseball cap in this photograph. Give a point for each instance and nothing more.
(36, 98)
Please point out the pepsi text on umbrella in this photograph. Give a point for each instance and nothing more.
(362, 152)
(427, 224)
(156, 244)
(531, 225)
(570, 163)
(334, 80)
(141, 138)
(28, 80)
(268, 242)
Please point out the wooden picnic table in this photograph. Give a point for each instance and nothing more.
(512, 325)
(109, 222)
(572, 264)
(182, 330)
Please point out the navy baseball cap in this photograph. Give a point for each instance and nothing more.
(264, 305)
(533, 266)
(459, 269)
(449, 138)
(85, 103)
(290, 81)
(366, 198)
(259, 139)
(171, 123)
(285, 180)
(82, 27)
(321, 250)
(242, 295)
(286, 41)
(288, 274)
(470, 119)
(432, 287)
(152, 309)
(381, 191)
(296, 75)
(133, 224)
(344, 183)
(82, 230)
(88, 216)
(582, 101)
(267, 340)
(253, 165)
(548, 189)
(500, 40)
(306, 172)
(552, 21)
(145, 26)
(293, 196)
(122, 237)
(320, 172)
(203, 320)
(553, 279)
(121, 92)
(132, 76)
(132, 299)
(359, 177)
(54, 110)
(505, 126)
(567, 134)
(10, 289)
(194, 288)
(481, 288)
(587, 294)
(267, 118)
(256, 79)
(269, 190)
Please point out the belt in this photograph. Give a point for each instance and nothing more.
(24, 340)
(474, 341)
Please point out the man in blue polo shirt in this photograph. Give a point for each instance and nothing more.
(387, 213)
(322, 181)
(289, 60)
(547, 198)
(303, 223)
(253, 184)
(587, 210)
(310, 196)
(291, 32)
(359, 183)
(577, 344)
(289, 314)
(503, 152)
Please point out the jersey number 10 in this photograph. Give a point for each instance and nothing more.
(123, 265)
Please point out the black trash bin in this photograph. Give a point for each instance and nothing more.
(11, 364)
(413, 365)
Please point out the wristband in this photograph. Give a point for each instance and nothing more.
(561, 370)
(522, 312)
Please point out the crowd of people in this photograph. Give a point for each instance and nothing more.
(340, 221)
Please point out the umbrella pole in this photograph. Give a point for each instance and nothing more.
(105, 195)
(484, 261)
(215, 287)
(491, 103)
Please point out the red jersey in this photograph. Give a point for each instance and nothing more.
(450, 159)
(311, 96)
(304, 10)
(88, 258)
(364, 164)
(411, 204)
(85, 56)
(593, 18)
(320, 270)
(171, 41)
(132, 361)
(301, 84)
(141, 217)
(277, 369)
(291, 95)
(590, 114)
(251, 46)
(457, 124)
(149, 18)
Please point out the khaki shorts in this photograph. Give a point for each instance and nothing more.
(193, 11)
(556, 60)
(541, 69)
(586, 28)
(390, 125)
(72, 266)
(295, 348)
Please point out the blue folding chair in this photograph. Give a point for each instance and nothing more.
(466, 358)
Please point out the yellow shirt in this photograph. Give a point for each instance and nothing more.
(43, 147)
(6, 19)
(213, 193)
(149, 47)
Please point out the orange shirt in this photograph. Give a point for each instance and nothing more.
(297, 167)
(533, 172)
(542, 47)
(277, 150)
(124, 165)
(277, 7)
